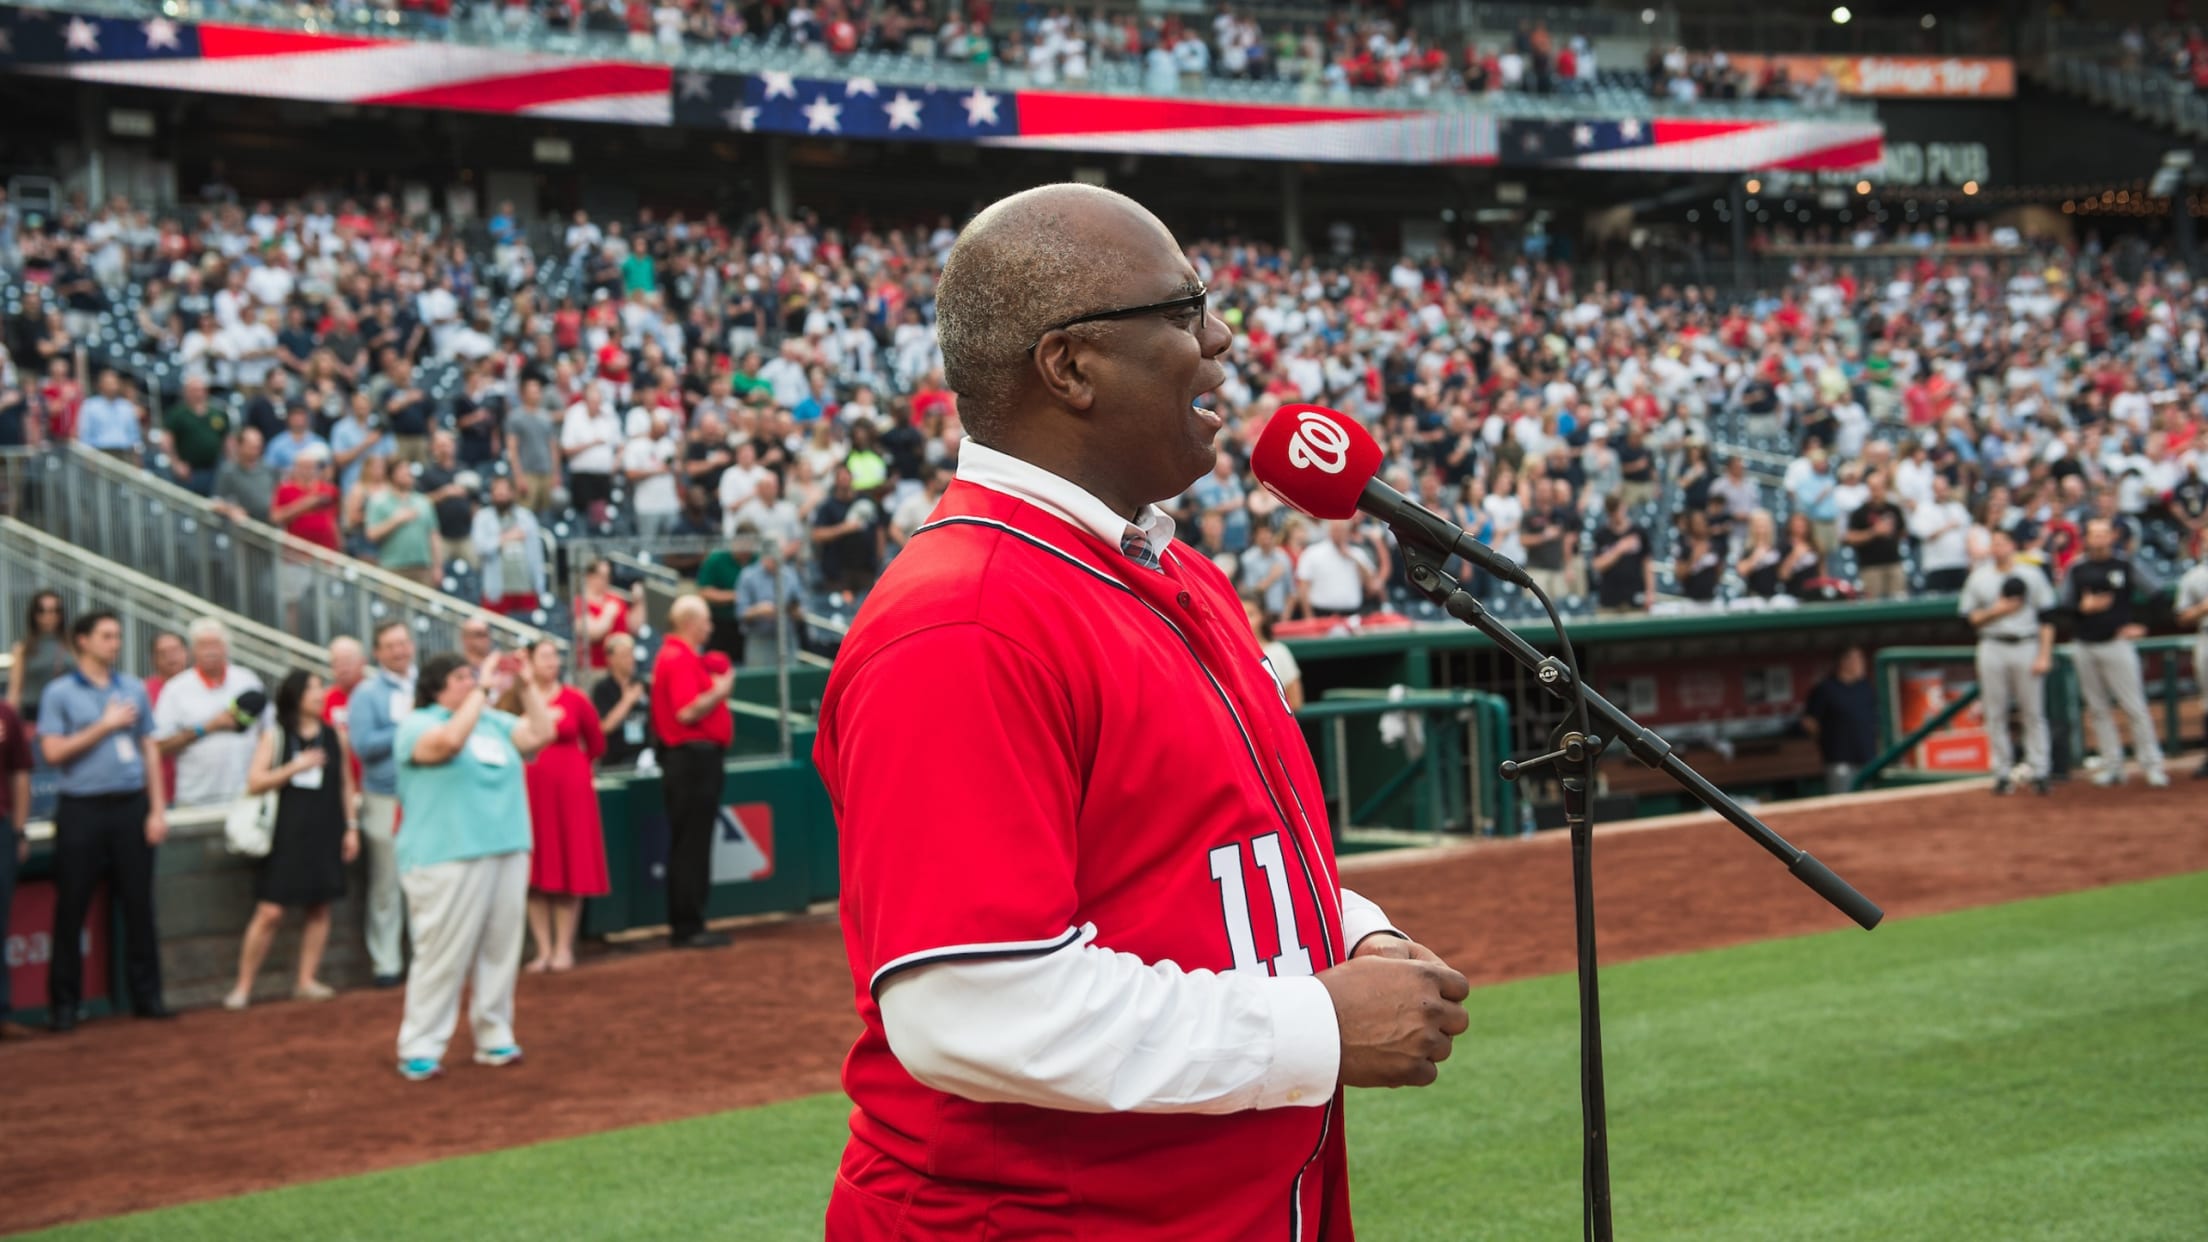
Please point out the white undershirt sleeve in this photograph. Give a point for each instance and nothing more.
(1087, 1029)
(1362, 919)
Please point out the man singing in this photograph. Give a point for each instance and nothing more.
(1111, 986)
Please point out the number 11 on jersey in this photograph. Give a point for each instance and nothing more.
(1240, 919)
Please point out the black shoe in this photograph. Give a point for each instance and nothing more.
(390, 981)
(2039, 786)
(62, 1021)
(154, 1013)
(2003, 788)
(704, 940)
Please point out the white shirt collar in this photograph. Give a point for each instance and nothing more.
(1001, 472)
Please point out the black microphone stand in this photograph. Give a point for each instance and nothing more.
(1574, 750)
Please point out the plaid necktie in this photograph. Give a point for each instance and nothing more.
(1137, 549)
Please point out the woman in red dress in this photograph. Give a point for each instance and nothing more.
(569, 862)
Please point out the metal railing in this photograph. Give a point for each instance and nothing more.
(2146, 95)
(32, 561)
(120, 512)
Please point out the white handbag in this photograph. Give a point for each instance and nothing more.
(250, 827)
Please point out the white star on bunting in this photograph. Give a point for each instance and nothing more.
(161, 32)
(83, 36)
(981, 108)
(740, 117)
(1583, 135)
(1630, 130)
(778, 83)
(860, 86)
(822, 116)
(904, 112)
(696, 85)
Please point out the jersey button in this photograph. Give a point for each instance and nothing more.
(1184, 601)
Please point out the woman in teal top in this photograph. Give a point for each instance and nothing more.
(463, 855)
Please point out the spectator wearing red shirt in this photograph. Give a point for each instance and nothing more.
(15, 812)
(689, 716)
(306, 508)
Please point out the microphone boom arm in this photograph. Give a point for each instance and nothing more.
(1425, 570)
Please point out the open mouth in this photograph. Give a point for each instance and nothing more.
(1209, 418)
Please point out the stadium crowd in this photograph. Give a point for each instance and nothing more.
(439, 405)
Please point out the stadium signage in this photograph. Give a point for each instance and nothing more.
(1896, 77)
(1936, 163)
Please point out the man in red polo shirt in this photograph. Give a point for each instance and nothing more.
(690, 717)
(1110, 984)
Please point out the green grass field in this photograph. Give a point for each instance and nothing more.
(2030, 1071)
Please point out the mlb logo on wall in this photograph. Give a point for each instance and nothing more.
(743, 843)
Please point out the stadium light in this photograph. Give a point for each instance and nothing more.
(1862, 187)
(1648, 17)
(1754, 186)
(1928, 21)
(1970, 187)
(1841, 16)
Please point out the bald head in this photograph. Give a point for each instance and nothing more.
(690, 619)
(1028, 262)
(347, 661)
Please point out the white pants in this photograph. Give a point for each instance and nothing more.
(2108, 676)
(379, 813)
(2005, 681)
(467, 919)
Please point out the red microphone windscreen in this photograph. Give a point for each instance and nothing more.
(1316, 460)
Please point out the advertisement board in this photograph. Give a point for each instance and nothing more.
(1895, 77)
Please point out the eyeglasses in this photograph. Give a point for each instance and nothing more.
(1193, 301)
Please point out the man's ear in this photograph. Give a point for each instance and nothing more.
(1064, 367)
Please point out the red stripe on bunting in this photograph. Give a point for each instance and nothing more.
(1043, 113)
(516, 92)
(232, 42)
(1845, 157)
(1663, 130)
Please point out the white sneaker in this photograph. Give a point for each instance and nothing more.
(2158, 779)
(236, 1001)
(2108, 776)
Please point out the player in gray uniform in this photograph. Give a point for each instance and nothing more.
(2007, 602)
(2100, 591)
(2192, 614)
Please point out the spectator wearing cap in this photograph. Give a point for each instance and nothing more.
(298, 438)
(199, 433)
(508, 545)
(209, 719)
(245, 483)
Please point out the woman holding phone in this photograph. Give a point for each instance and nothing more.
(463, 855)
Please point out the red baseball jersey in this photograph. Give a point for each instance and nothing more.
(1024, 734)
